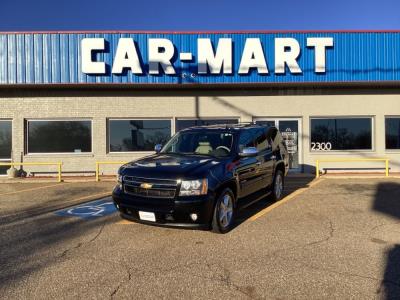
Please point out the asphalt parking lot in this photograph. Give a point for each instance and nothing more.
(332, 238)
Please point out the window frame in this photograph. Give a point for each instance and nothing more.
(373, 142)
(26, 133)
(384, 125)
(176, 119)
(133, 119)
(12, 133)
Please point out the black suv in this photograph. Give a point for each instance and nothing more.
(203, 175)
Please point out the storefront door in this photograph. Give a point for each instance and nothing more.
(290, 129)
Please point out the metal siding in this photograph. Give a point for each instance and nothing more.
(3, 59)
(38, 57)
(29, 60)
(20, 58)
(56, 58)
(12, 59)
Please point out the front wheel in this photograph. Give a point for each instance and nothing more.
(277, 186)
(224, 212)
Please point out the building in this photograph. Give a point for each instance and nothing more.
(111, 96)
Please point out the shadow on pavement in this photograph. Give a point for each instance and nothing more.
(28, 246)
(387, 201)
(292, 184)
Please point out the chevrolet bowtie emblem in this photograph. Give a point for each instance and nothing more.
(146, 185)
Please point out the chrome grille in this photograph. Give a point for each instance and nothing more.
(149, 187)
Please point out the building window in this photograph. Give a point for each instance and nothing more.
(137, 135)
(59, 136)
(185, 123)
(336, 134)
(5, 144)
(392, 131)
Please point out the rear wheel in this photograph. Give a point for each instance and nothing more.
(224, 212)
(277, 186)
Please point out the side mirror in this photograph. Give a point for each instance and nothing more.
(158, 148)
(249, 152)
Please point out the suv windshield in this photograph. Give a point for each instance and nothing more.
(211, 143)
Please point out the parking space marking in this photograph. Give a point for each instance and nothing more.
(125, 222)
(94, 209)
(284, 200)
(36, 188)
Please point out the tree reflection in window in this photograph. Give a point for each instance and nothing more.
(343, 133)
(138, 135)
(59, 136)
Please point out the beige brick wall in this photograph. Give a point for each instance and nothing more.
(98, 105)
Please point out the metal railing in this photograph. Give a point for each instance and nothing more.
(98, 163)
(319, 161)
(59, 164)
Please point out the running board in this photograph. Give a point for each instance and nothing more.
(254, 200)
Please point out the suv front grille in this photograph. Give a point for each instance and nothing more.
(150, 187)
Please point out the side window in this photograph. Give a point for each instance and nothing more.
(246, 139)
(254, 137)
(274, 137)
(262, 142)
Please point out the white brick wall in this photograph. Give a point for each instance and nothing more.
(98, 105)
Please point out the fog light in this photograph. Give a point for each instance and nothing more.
(169, 217)
(193, 217)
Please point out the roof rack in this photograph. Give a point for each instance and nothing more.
(228, 126)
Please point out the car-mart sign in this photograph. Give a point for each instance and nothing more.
(211, 59)
(198, 58)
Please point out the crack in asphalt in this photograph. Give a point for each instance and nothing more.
(115, 291)
(80, 244)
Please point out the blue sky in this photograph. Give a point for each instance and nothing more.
(20, 15)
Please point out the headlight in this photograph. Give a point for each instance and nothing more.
(119, 180)
(193, 187)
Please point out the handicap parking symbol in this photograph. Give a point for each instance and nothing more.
(89, 210)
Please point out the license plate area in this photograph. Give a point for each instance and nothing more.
(147, 216)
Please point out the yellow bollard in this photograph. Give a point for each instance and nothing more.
(317, 169)
(59, 172)
(387, 167)
(97, 171)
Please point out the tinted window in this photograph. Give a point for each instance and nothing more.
(262, 142)
(392, 126)
(204, 142)
(138, 135)
(5, 139)
(181, 124)
(59, 136)
(341, 134)
(254, 137)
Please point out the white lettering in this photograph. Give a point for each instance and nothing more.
(215, 62)
(126, 57)
(161, 58)
(289, 58)
(320, 45)
(88, 45)
(253, 57)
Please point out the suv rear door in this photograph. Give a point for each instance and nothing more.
(248, 170)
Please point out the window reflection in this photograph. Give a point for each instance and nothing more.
(59, 136)
(342, 133)
(138, 135)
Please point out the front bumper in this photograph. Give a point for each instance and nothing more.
(168, 212)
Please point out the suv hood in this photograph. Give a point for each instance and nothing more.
(170, 166)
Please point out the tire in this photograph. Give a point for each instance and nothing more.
(224, 212)
(277, 186)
